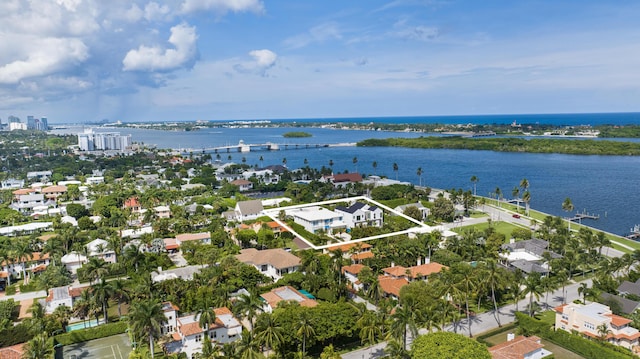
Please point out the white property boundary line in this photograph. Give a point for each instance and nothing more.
(420, 228)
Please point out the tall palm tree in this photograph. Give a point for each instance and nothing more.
(404, 318)
(82, 305)
(206, 316)
(515, 192)
(268, 331)
(375, 166)
(103, 291)
(496, 279)
(498, 193)
(23, 253)
(395, 169)
(465, 287)
(369, 328)
(474, 180)
(249, 306)
(396, 350)
(355, 163)
(419, 173)
(40, 347)
(37, 320)
(120, 293)
(567, 206)
(533, 287)
(247, 348)
(145, 319)
(526, 198)
(62, 315)
(96, 268)
(304, 329)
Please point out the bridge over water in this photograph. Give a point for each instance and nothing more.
(268, 146)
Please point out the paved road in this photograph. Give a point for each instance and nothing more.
(485, 321)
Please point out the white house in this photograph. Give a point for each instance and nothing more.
(100, 248)
(285, 294)
(423, 210)
(25, 203)
(361, 215)
(73, 261)
(265, 176)
(188, 335)
(94, 180)
(351, 274)
(11, 184)
(248, 210)
(271, 262)
(59, 296)
(316, 218)
(243, 185)
(162, 211)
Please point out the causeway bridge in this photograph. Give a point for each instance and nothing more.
(268, 146)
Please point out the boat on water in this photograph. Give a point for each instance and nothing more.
(635, 233)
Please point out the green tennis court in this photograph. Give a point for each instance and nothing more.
(113, 347)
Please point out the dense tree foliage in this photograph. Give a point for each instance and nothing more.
(446, 345)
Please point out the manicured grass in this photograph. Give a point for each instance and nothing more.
(500, 227)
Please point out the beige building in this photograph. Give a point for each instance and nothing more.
(590, 320)
(274, 262)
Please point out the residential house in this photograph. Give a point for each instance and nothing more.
(343, 179)
(184, 273)
(248, 210)
(619, 304)
(265, 176)
(625, 288)
(100, 248)
(316, 218)
(54, 192)
(276, 228)
(27, 228)
(351, 274)
(162, 211)
(243, 185)
(39, 175)
(274, 263)
(391, 286)
(36, 263)
(11, 184)
(361, 215)
(527, 255)
(12, 352)
(423, 210)
(589, 319)
(284, 294)
(93, 180)
(59, 296)
(188, 335)
(133, 204)
(417, 272)
(73, 261)
(26, 203)
(520, 347)
(357, 252)
(202, 237)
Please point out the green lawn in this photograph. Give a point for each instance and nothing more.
(500, 227)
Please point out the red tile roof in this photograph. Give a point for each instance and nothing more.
(516, 348)
(347, 177)
(361, 256)
(353, 269)
(391, 285)
(131, 202)
(12, 352)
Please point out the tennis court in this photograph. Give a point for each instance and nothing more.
(113, 347)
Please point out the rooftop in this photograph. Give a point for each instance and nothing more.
(276, 257)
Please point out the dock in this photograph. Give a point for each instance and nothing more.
(635, 233)
(584, 215)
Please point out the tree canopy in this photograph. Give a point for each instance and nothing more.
(445, 345)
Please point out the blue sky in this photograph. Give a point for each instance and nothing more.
(86, 60)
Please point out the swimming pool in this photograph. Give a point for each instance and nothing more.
(83, 324)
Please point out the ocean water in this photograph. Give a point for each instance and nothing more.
(603, 185)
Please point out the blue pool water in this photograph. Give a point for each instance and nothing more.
(83, 325)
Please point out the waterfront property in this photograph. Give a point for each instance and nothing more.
(527, 255)
(596, 320)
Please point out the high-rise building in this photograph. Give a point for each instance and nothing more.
(93, 141)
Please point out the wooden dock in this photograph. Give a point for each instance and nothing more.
(584, 215)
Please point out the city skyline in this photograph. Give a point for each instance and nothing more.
(180, 60)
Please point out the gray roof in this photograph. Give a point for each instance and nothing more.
(528, 267)
(60, 293)
(627, 287)
(250, 207)
(627, 306)
(535, 246)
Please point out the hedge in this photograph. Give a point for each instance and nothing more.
(482, 338)
(589, 349)
(101, 331)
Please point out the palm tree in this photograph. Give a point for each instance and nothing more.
(419, 173)
(206, 316)
(268, 331)
(355, 163)
(603, 331)
(526, 198)
(396, 350)
(249, 305)
(405, 317)
(395, 169)
(533, 287)
(23, 253)
(81, 306)
(524, 183)
(474, 180)
(248, 348)
(37, 320)
(515, 192)
(496, 279)
(369, 328)
(103, 291)
(62, 315)
(96, 268)
(146, 318)
(466, 285)
(40, 347)
(304, 329)
(375, 166)
(567, 206)
(498, 193)
(284, 162)
(120, 293)
(331, 163)
(582, 290)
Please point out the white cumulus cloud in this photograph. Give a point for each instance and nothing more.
(158, 58)
(43, 56)
(223, 6)
(263, 60)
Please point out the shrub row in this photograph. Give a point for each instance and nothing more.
(482, 338)
(589, 349)
(102, 331)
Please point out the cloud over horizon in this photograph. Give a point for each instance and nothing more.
(157, 58)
